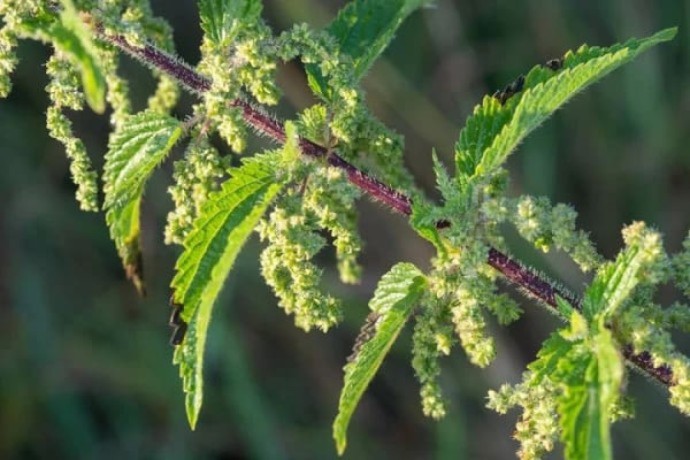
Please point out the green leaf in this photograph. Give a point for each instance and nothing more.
(396, 295)
(495, 130)
(614, 283)
(555, 348)
(225, 222)
(134, 150)
(423, 220)
(581, 412)
(425, 217)
(363, 29)
(123, 222)
(222, 20)
(139, 144)
(72, 37)
(642, 261)
(585, 405)
(564, 307)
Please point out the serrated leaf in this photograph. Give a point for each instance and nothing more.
(363, 29)
(423, 220)
(444, 183)
(585, 404)
(563, 306)
(72, 37)
(396, 295)
(555, 348)
(225, 222)
(424, 216)
(495, 130)
(222, 20)
(613, 283)
(136, 147)
(123, 222)
(190, 357)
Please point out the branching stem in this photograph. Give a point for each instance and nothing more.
(512, 270)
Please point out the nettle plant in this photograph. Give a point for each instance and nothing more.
(308, 187)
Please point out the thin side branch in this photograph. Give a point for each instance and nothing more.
(512, 270)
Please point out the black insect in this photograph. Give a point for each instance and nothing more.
(367, 332)
(178, 334)
(516, 86)
(510, 90)
(175, 319)
(554, 64)
(176, 322)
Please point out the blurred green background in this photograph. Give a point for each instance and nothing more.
(85, 367)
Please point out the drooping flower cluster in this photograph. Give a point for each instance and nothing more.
(286, 265)
(44, 21)
(320, 199)
(65, 93)
(545, 226)
(537, 430)
(241, 58)
(460, 289)
(195, 176)
(331, 198)
(8, 59)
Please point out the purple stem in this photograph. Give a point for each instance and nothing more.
(512, 270)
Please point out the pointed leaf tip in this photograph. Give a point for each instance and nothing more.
(362, 29)
(666, 34)
(396, 295)
(135, 149)
(501, 122)
(226, 221)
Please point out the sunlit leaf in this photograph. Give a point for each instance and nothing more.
(396, 295)
(225, 222)
(555, 348)
(123, 222)
(135, 149)
(495, 129)
(72, 37)
(363, 29)
(222, 20)
(585, 406)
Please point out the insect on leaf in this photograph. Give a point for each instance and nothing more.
(500, 123)
(396, 295)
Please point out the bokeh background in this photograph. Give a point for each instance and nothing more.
(85, 367)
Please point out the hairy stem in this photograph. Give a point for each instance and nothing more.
(513, 271)
(534, 285)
